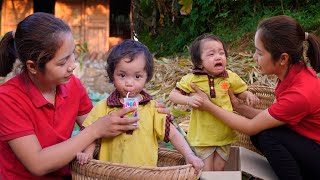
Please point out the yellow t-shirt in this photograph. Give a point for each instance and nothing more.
(140, 148)
(204, 128)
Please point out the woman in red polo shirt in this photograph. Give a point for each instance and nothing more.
(40, 106)
(288, 132)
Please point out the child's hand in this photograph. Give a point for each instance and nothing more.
(251, 99)
(161, 107)
(83, 157)
(196, 162)
(195, 101)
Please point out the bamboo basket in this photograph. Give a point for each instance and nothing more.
(266, 96)
(171, 165)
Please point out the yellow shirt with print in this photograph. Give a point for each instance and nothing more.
(204, 128)
(140, 148)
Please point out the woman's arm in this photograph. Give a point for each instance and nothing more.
(80, 119)
(259, 122)
(40, 161)
(183, 147)
(249, 98)
(178, 98)
(241, 108)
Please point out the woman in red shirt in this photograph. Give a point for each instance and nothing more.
(40, 106)
(288, 132)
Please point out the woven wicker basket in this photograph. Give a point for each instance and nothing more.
(171, 165)
(266, 96)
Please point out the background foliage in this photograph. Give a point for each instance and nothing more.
(161, 25)
(167, 27)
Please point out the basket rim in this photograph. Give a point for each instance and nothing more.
(96, 168)
(100, 162)
(163, 150)
(260, 86)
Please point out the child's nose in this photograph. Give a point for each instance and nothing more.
(129, 82)
(218, 57)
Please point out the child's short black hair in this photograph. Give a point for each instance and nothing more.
(195, 51)
(129, 49)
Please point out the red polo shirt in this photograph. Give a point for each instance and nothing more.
(24, 111)
(298, 101)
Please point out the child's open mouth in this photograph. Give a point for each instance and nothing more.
(218, 65)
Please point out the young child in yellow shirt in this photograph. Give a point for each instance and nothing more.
(210, 137)
(130, 66)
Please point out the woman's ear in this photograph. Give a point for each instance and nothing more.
(284, 59)
(31, 67)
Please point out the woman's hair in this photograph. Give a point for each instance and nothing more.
(37, 38)
(195, 48)
(283, 34)
(129, 49)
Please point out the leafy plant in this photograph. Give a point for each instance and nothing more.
(171, 32)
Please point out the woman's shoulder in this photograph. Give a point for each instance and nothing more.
(13, 86)
(303, 80)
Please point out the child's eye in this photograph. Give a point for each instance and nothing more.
(138, 76)
(122, 75)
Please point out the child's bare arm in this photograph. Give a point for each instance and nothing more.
(183, 147)
(87, 154)
(249, 98)
(178, 98)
